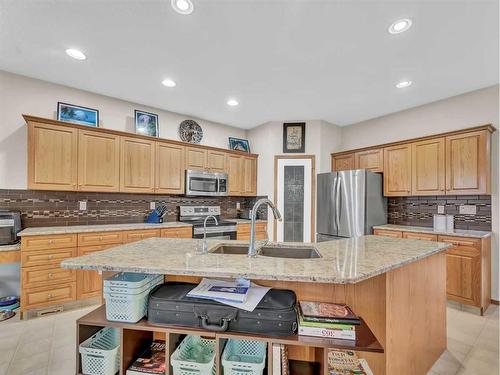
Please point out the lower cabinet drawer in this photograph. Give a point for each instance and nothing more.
(178, 232)
(49, 295)
(99, 238)
(43, 275)
(388, 233)
(45, 257)
(420, 236)
(138, 235)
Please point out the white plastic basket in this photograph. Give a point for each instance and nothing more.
(183, 358)
(101, 353)
(244, 357)
(129, 307)
(146, 283)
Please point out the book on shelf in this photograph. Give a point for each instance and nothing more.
(342, 326)
(343, 334)
(324, 312)
(151, 361)
(346, 362)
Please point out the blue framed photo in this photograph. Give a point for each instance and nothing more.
(238, 144)
(146, 123)
(77, 114)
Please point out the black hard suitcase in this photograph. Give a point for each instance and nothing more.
(275, 315)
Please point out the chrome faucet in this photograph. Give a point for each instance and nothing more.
(204, 248)
(253, 215)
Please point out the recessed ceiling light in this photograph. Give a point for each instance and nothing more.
(168, 82)
(76, 54)
(232, 102)
(400, 26)
(403, 84)
(182, 6)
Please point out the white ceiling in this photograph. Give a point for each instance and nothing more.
(283, 60)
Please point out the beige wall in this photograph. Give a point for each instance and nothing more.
(471, 109)
(20, 95)
(322, 138)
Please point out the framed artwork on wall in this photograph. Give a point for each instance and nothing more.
(294, 137)
(77, 114)
(146, 123)
(238, 144)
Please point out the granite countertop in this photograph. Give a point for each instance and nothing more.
(456, 232)
(15, 247)
(37, 231)
(344, 261)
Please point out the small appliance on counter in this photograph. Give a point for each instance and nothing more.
(245, 213)
(10, 226)
(443, 223)
(156, 215)
(196, 215)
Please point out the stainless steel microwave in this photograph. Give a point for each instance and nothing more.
(204, 183)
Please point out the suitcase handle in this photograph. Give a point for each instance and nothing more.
(213, 327)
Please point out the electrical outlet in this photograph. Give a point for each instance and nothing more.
(83, 205)
(238, 206)
(467, 209)
(440, 209)
(152, 205)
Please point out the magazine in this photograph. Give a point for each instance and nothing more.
(151, 361)
(230, 291)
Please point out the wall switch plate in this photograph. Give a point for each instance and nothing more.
(83, 205)
(440, 209)
(238, 206)
(467, 209)
(152, 205)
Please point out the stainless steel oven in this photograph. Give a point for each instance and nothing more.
(206, 183)
(195, 215)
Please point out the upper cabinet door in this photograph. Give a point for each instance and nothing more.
(397, 170)
(343, 162)
(170, 168)
(98, 161)
(137, 165)
(235, 169)
(468, 163)
(216, 161)
(249, 178)
(428, 171)
(52, 157)
(373, 160)
(196, 158)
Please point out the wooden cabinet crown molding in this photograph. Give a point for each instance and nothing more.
(30, 119)
(488, 127)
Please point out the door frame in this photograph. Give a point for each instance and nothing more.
(313, 190)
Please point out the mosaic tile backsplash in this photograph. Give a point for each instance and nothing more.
(54, 208)
(420, 210)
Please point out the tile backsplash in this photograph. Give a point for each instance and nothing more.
(420, 210)
(54, 208)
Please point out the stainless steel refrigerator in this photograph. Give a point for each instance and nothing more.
(349, 204)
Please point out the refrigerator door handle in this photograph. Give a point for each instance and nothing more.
(337, 203)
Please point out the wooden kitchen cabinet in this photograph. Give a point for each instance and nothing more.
(98, 161)
(52, 157)
(397, 170)
(428, 167)
(89, 283)
(170, 168)
(234, 171)
(242, 175)
(419, 236)
(372, 160)
(243, 231)
(468, 163)
(177, 232)
(216, 161)
(196, 158)
(137, 165)
(343, 162)
(388, 233)
(138, 235)
(249, 180)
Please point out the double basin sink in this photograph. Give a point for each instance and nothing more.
(290, 252)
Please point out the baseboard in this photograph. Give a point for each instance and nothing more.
(495, 302)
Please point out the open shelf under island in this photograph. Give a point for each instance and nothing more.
(397, 286)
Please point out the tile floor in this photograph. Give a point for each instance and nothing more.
(45, 346)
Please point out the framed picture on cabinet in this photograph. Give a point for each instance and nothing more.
(238, 144)
(294, 137)
(77, 114)
(146, 123)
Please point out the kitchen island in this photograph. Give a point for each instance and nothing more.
(397, 286)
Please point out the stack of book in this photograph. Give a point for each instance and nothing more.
(332, 320)
(151, 361)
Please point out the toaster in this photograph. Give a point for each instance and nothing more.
(10, 226)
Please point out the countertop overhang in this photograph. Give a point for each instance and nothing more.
(346, 261)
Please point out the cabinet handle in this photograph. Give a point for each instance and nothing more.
(51, 257)
(51, 242)
(49, 296)
(100, 238)
(51, 275)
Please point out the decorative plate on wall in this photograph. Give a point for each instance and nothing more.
(190, 131)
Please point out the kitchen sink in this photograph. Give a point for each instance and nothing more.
(306, 252)
(302, 252)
